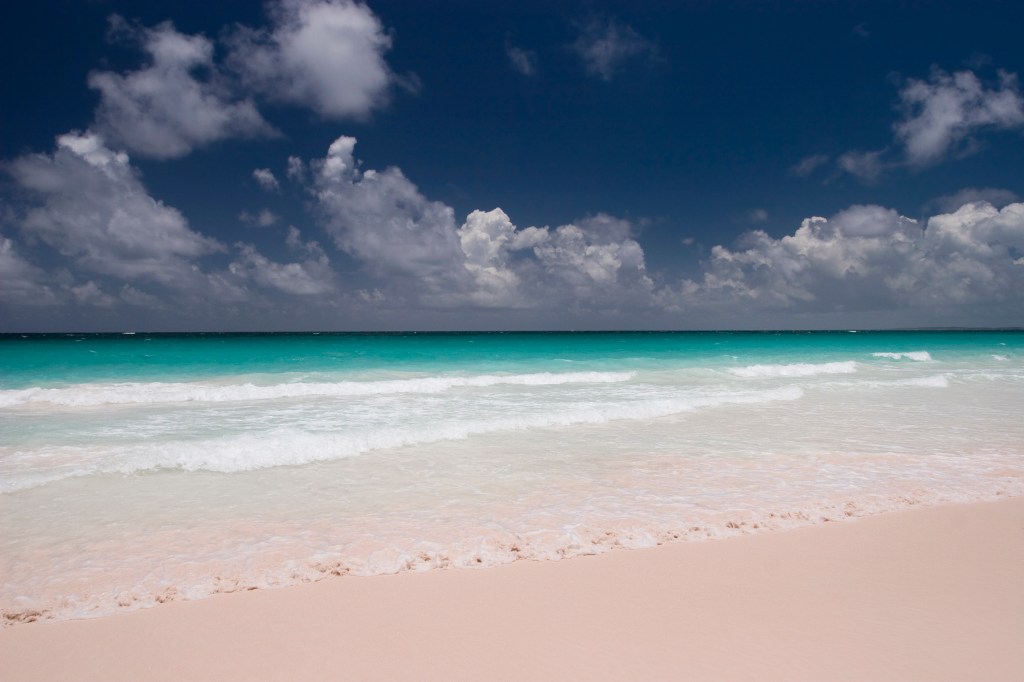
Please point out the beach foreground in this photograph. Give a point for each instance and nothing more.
(928, 594)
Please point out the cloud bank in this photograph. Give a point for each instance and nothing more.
(872, 258)
(87, 205)
(413, 243)
(92, 236)
(863, 258)
(92, 208)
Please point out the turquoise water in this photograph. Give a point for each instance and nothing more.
(55, 359)
(140, 468)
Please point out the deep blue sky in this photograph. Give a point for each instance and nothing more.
(636, 137)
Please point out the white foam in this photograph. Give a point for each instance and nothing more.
(795, 370)
(937, 381)
(199, 562)
(916, 355)
(83, 395)
(290, 446)
(1000, 358)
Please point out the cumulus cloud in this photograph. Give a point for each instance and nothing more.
(382, 218)
(595, 255)
(124, 247)
(22, 283)
(324, 54)
(604, 46)
(975, 255)
(943, 114)
(486, 239)
(111, 244)
(178, 102)
(870, 257)
(310, 277)
(89, 204)
(578, 264)
(91, 294)
(413, 244)
(997, 197)
(141, 299)
(265, 178)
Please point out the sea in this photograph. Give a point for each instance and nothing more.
(141, 468)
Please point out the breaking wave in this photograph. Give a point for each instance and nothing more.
(290, 446)
(795, 370)
(916, 355)
(83, 395)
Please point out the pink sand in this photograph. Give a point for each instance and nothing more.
(929, 594)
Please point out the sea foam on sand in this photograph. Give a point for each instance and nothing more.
(930, 594)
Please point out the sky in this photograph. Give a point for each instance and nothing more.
(465, 165)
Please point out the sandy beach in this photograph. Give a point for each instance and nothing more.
(923, 594)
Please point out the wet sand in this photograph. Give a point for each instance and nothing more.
(924, 594)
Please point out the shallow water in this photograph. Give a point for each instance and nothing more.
(136, 469)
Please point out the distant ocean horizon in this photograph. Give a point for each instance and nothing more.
(138, 467)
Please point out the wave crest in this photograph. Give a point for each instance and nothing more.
(795, 370)
(289, 446)
(916, 355)
(87, 395)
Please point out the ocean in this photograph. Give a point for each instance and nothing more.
(141, 468)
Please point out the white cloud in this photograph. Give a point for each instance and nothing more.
(124, 247)
(592, 262)
(604, 46)
(324, 54)
(263, 218)
(22, 283)
(809, 164)
(310, 277)
(176, 103)
(523, 61)
(595, 255)
(88, 203)
(942, 115)
(91, 294)
(136, 297)
(486, 239)
(866, 166)
(265, 178)
(412, 244)
(997, 197)
(757, 215)
(871, 258)
(381, 218)
(296, 169)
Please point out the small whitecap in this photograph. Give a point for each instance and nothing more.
(916, 355)
(795, 370)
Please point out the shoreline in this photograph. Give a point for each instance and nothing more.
(931, 593)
